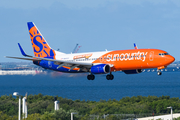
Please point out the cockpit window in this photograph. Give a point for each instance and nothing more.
(161, 54)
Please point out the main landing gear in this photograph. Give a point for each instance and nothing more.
(159, 72)
(110, 77)
(91, 77)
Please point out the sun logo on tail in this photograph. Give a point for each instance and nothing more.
(40, 46)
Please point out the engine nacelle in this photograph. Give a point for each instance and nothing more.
(100, 69)
(136, 71)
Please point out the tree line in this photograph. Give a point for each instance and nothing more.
(41, 107)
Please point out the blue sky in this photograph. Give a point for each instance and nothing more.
(95, 24)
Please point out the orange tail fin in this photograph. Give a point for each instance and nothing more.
(39, 44)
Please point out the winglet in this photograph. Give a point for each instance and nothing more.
(135, 46)
(22, 51)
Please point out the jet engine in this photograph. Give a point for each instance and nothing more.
(136, 71)
(100, 69)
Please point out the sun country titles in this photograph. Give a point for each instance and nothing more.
(127, 56)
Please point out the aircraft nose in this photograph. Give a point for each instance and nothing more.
(171, 59)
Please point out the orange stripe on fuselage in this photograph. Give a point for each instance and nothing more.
(134, 59)
(70, 68)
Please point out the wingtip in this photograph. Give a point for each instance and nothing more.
(7, 56)
(22, 51)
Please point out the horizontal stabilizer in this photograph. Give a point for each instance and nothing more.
(32, 59)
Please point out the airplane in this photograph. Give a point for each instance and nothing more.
(135, 46)
(131, 61)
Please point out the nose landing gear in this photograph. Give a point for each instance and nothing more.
(159, 73)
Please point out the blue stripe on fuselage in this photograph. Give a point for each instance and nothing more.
(50, 65)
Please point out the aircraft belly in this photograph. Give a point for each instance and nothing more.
(129, 65)
(63, 69)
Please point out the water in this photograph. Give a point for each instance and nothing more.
(78, 87)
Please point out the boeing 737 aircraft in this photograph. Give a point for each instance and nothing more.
(129, 61)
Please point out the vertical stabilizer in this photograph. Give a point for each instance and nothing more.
(39, 44)
(135, 46)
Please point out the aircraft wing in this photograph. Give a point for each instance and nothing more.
(71, 64)
(61, 63)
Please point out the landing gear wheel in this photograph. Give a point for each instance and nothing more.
(159, 73)
(91, 77)
(110, 77)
